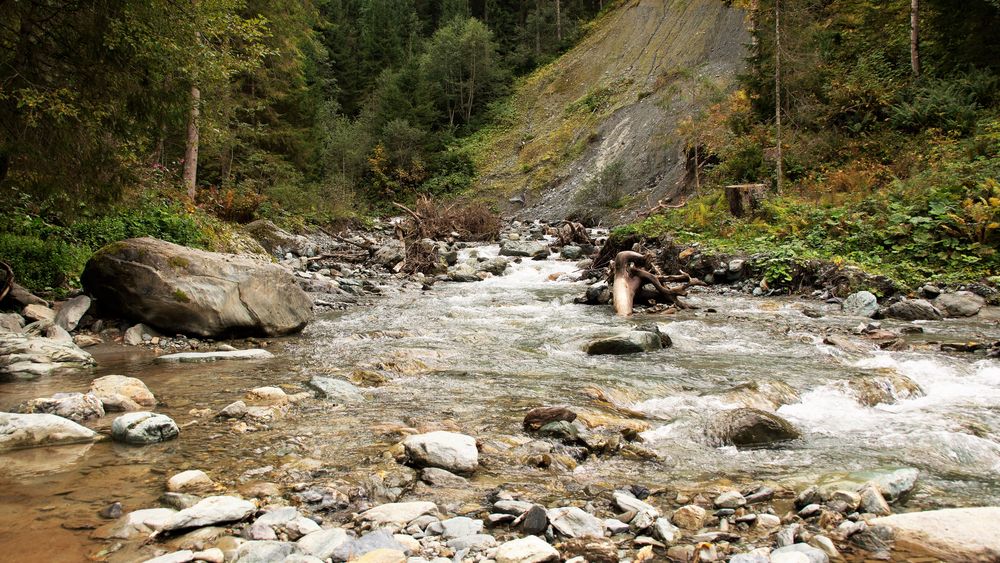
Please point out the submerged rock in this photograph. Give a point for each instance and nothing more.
(886, 388)
(337, 390)
(765, 395)
(632, 342)
(180, 289)
(540, 416)
(446, 450)
(748, 427)
(203, 357)
(37, 430)
(143, 428)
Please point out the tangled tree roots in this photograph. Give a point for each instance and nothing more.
(629, 274)
(430, 220)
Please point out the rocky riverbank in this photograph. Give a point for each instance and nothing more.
(438, 485)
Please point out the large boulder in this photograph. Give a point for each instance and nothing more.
(179, 289)
(953, 534)
(748, 427)
(527, 249)
(959, 304)
(35, 430)
(77, 407)
(446, 450)
(861, 304)
(11, 323)
(72, 311)
(30, 355)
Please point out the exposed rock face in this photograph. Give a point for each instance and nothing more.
(887, 388)
(954, 534)
(959, 304)
(77, 407)
(143, 428)
(29, 355)
(447, 450)
(180, 289)
(748, 427)
(35, 430)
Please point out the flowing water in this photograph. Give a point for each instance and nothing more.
(474, 357)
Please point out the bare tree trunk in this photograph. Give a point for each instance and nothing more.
(697, 174)
(777, 89)
(915, 36)
(191, 147)
(538, 27)
(559, 21)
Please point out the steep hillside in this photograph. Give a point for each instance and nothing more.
(596, 132)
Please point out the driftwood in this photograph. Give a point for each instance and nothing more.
(8, 280)
(570, 232)
(661, 205)
(744, 199)
(629, 274)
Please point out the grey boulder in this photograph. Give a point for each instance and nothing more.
(209, 511)
(143, 428)
(28, 355)
(179, 289)
(913, 310)
(632, 342)
(528, 249)
(959, 304)
(446, 450)
(746, 427)
(19, 431)
(861, 304)
(72, 311)
(77, 407)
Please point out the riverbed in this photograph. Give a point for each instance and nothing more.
(474, 357)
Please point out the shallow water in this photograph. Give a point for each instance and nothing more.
(475, 357)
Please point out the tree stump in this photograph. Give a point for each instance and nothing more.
(744, 199)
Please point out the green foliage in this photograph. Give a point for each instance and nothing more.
(41, 264)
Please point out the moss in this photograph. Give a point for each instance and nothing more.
(178, 262)
(181, 297)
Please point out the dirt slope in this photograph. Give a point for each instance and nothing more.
(613, 103)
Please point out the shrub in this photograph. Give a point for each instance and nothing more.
(39, 264)
(605, 189)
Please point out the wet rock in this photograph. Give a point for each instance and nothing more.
(190, 480)
(87, 340)
(11, 323)
(264, 551)
(210, 511)
(528, 249)
(112, 511)
(627, 502)
(530, 549)
(203, 357)
(162, 284)
(573, 522)
(953, 534)
(794, 554)
(958, 304)
(535, 521)
(337, 390)
(913, 310)
(571, 252)
(271, 396)
(747, 427)
(765, 395)
(861, 304)
(885, 388)
(71, 312)
(235, 410)
(515, 507)
(324, 543)
(19, 431)
(139, 522)
(179, 501)
(143, 427)
(896, 484)
(121, 393)
(540, 416)
(730, 499)
(632, 342)
(446, 450)
(872, 502)
(561, 430)
(77, 407)
(398, 514)
(496, 266)
(690, 517)
(810, 510)
(810, 495)
(36, 312)
(592, 550)
(285, 521)
(29, 355)
(437, 477)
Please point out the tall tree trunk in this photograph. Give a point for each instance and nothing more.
(191, 147)
(777, 90)
(915, 36)
(559, 21)
(538, 27)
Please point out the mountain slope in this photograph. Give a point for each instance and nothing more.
(613, 104)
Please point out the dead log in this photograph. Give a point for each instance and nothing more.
(628, 277)
(744, 199)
